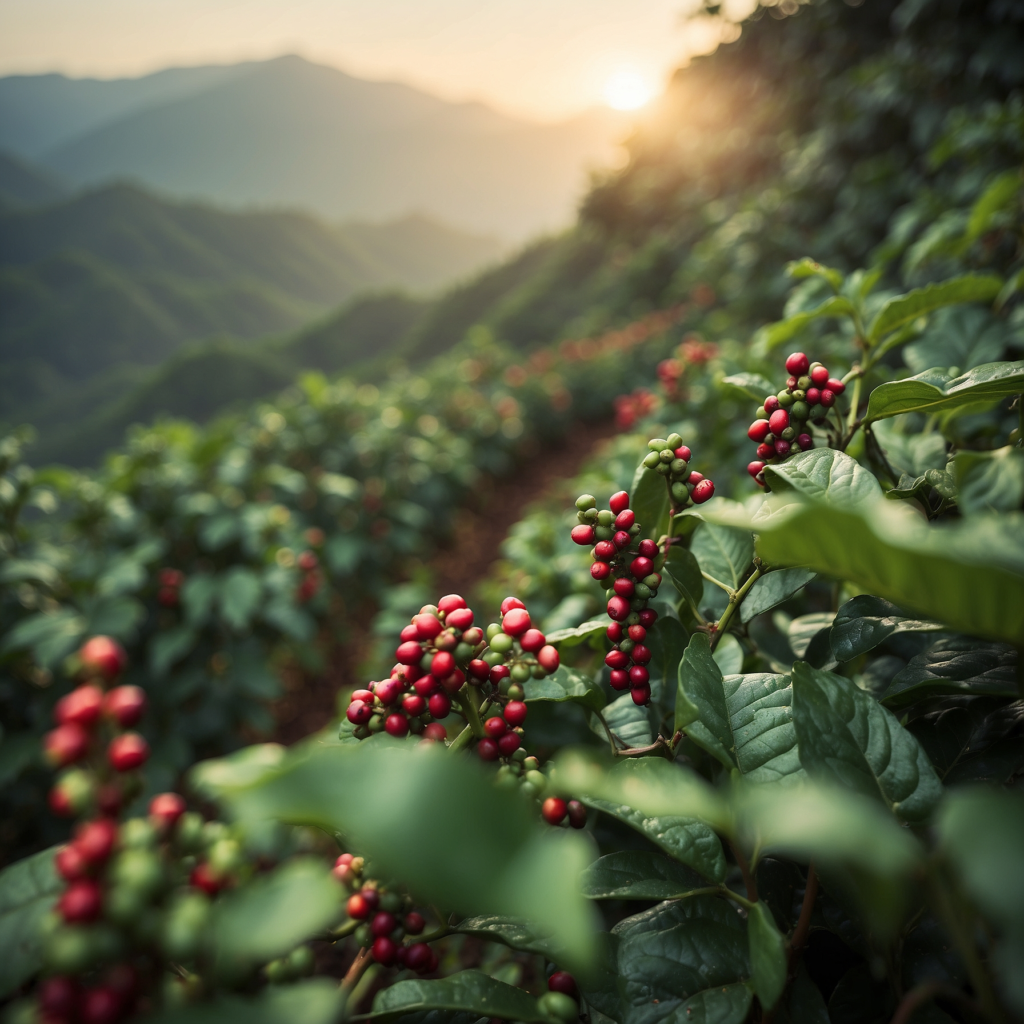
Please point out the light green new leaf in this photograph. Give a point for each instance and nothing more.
(768, 961)
(824, 474)
(750, 385)
(989, 481)
(274, 913)
(905, 308)
(863, 623)
(776, 334)
(847, 738)
(649, 502)
(936, 391)
(28, 890)
(807, 267)
(315, 1001)
(772, 589)
(467, 991)
(576, 635)
(637, 875)
(565, 684)
(1000, 194)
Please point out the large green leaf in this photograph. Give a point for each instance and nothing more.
(649, 502)
(471, 991)
(631, 724)
(905, 308)
(955, 665)
(751, 385)
(701, 711)
(637, 875)
(576, 635)
(28, 890)
(936, 391)
(51, 636)
(724, 553)
(866, 621)
(667, 641)
(912, 453)
(772, 589)
(274, 913)
(776, 334)
(512, 932)
(240, 595)
(768, 961)
(505, 861)
(683, 961)
(803, 1003)
(826, 475)
(684, 573)
(566, 684)
(316, 1001)
(846, 737)
(989, 481)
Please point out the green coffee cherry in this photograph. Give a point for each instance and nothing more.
(122, 904)
(788, 434)
(531, 763)
(363, 935)
(391, 902)
(679, 491)
(656, 444)
(803, 383)
(651, 460)
(643, 591)
(762, 413)
(528, 790)
(301, 960)
(626, 646)
(416, 726)
(537, 778)
(521, 673)
(785, 399)
(493, 629)
(663, 468)
(801, 410)
(188, 833)
(502, 643)
(558, 1008)
(667, 455)
(585, 501)
(376, 724)
(634, 530)
(277, 972)
(604, 532)
(214, 832)
(674, 441)
(506, 778)
(141, 871)
(68, 950)
(463, 652)
(185, 925)
(605, 517)
(492, 657)
(137, 833)
(590, 516)
(633, 619)
(678, 467)
(516, 692)
(504, 686)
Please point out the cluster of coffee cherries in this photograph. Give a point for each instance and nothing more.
(169, 593)
(92, 717)
(780, 429)
(670, 457)
(312, 578)
(385, 922)
(560, 1004)
(627, 567)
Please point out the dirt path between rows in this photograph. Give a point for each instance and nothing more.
(309, 702)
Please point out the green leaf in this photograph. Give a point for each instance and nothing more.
(566, 684)
(315, 1001)
(772, 589)
(684, 573)
(724, 553)
(761, 722)
(989, 481)
(577, 634)
(667, 641)
(50, 635)
(637, 875)
(768, 961)
(631, 724)
(804, 1003)
(866, 621)
(701, 711)
(274, 913)
(691, 956)
(955, 665)
(847, 738)
(512, 932)
(776, 334)
(240, 595)
(1000, 194)
(471, 991)
(28, 890)
(197, 596)
(807, 267)
(806, 633)
(911, 453)
(16, 570)
(905, 308)
(961, 336)
(826, 475)
(728, 655)
(649, 502)
(505, 862)
(936, 391)
(750, 385)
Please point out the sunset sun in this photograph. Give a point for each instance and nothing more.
(627, 90)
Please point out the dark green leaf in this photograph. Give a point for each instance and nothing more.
(989, 481)
(197, 596)
(847, 738)
(761, 722)
(904, 308)
(912, 453)
(577, 634)
(512, 932)
(750, 385)
(637, 875)
(316, 1001)
(667, 641)
(806, 267)
(701, 711)
(768, 960)
(776, 334)
(772, 589)
(240, 595)
(803, 1003)
(860, 998)
(566, 684)
(974, 741)
(28, 890)
(50, 635)
(866, 621)
(961, 336)
(649, 502)
(724, 553)
(827, 475)
(631, 724)
(937, 391)
(728, 655)
(470, 991)
(684, 573)
(956, 665)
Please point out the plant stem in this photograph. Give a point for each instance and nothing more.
(854, 403)
(718, 583)
(465, 698)
(611, 735)
(925, 992)
(461, 741)
(734, 602)
(352, 975)
(803, 925)
(748, 878)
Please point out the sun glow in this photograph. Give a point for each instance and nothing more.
(627, 90)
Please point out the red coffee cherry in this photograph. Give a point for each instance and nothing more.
(127, 751)
(577, 814)
(771, 403)
(564, 982)
(414, 923)
(637, 634)
(797, 364)
(782, 448)
(372, 898)
(616, 659)
(554, 810)
(125, 704)
(624, 587)
(460, 618)
(65, 744)
(509, 603)
(621, 540)
(703, 491)
(508, 744)
(615, 632)
(82, 706)
(479, 669)
(70, 864)
(498, 673)
(387, 691)
(435, 732)
(384, 951)
(682, 452)
(103, 656)
(648, 617)
(778, 421)
(625, 519)
(396, 725)
(409, 632)
(488, 750)
(307, 561)
(341, 869)
(820, 376)
(515, 712)
(791, 383)
(641, 695)
(640, 654)
(753, 468)
(425, 685)
(605, 550)
(417, 957)
(450, 602)
(548, 658)
(619, 679)
(495, 727)
(440, 705)
(641, 567)
(828, 398)
(413, 704)
(58, 999)
(165, 809)
(100, 1005)
(583, 534)
(600, 570)
(766, 451)
(95, 840)
(409, 653)
(358, 712)
(442, 664)
(383, 923)
(427, 626)
(758, 430)
(532, 641)
(366, 696)
(806, 442)
(619, 501)
(813, 396)
(358, 907)
(638, 675)
(648, 548)
(516, 621)
(836, 386)
(81, 902)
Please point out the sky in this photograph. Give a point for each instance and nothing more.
(540, 59)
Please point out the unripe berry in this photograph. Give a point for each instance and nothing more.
(583, 534)
(508, 744)
(648, 617)
(703, 491)
(81, 902)
(487, 750)
(616, 659)
(460, 618)
(82, 706)
(548, 658)
(104, 656)
(516, 621)
(563, 981)
(532, 641)
(618, 501)
(828, 398)
(435, 732)
(624, 587)
(819, 374)
(409, 652)
(641, 567)
(836, 386)
(449, 603)
(619, 679)
(577, 814)
(125, 704)
(758, 430)
(65, 744)
(753, 468)
(797, 364)
(413, 704)
(440, 705)
(396, 725)
(554, 810)
(625, 519)
(515, 712)
(94, 840)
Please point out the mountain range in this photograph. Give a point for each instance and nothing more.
(293, 133)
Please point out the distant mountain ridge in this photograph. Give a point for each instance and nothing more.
(289, 132)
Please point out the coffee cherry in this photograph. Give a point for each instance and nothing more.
(495, 727)
(618, 501)
(836, 386)
(358, 712)
(641, 567)
(449, 603)
(435, 732)
(409, 653)
(478, 669)
(414, 923)
(125, 704)
(439, 705)
(619, 679)
(65, 744)
(417, 956)
(509, 603)
(819, 374)
(797, 364)
(648, 617)
(81, 902)
(554, 810)
(509, 744)
(758, 429)
(640, 654)
(82, 706)
(358, 907)
(488, 750)
(427, 626)
(778, 421)
(625, 519)
(621, 540)
(515, 712)
(583, 534)
(103, 656)
(624, 587)
(753, 468)
(828, 398)
(532, 641)
(682, 452)
(516, 621)
(58, 999)
(806, 442)
(563, 981)
(100, 1005)
(703, 491)
(638, 675)
(782, 448)
(577, 814)
(413, 704)
(442, 664)
(600, 570)
(383, 923)
(396, 725)
(548, 658)
(94, 840)
(460, 618)
(70, 864)
(384, 950)
(771, 403)
(641, 695)
(812, 396)
(616, 659)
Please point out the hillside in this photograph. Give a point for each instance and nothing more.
(290, 132)
(21, 184)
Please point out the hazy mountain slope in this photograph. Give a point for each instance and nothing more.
(21, 184)
(288, 131)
